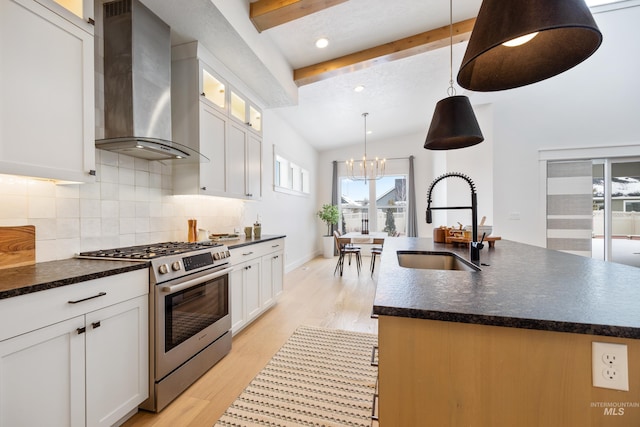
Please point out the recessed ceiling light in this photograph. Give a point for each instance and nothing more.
(321, 43)
(358, 88)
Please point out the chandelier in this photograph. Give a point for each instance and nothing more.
(365, 169)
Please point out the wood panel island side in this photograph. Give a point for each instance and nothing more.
(508, 345)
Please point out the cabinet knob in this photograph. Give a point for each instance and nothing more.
(203, 188)
(95, 324)
(92, 172)
(203, 94)
(91, 21)
(81, 330)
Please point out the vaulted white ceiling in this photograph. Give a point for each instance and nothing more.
(399, 95)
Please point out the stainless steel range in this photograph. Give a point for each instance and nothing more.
(189, 323)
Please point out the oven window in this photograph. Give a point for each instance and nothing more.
(190, 311)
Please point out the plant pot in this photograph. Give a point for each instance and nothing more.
(328, 244)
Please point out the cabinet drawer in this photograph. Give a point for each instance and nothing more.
(257, 250)
(28, 312)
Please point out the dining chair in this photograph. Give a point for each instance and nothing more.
(375, 251)
(348, 244)
(343, 251)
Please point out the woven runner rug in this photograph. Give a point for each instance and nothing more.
(320, 377)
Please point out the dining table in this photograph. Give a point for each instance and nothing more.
(373, 237)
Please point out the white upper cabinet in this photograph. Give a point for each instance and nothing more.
(213, 119)
(212, 88)
(47, 85)
(245, 112)
(83, 9)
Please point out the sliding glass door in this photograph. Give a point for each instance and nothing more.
(593, 208)
(624, 215)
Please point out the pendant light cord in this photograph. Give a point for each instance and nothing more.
(451, 90)
(365, 134)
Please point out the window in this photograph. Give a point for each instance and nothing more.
(387, 212)
(288, 177)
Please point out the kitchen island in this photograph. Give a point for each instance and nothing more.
(507, 345)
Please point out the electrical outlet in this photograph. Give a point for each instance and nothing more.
(610, 366)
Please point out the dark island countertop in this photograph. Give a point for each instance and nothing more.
(523, 286)
(52, 274)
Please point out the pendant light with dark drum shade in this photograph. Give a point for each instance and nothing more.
(454, 124)
(516, 43)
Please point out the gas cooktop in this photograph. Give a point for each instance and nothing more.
(151, 251)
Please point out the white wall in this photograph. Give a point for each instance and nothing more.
(292, 215)
(595, 104)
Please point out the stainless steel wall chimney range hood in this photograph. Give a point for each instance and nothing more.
(137, 85)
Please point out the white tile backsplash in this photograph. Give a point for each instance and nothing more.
(127, 176)
(66, 228)
(67, 208)
(42, 207)
(142, 179)
(14, 206)
(90, 208)
(109, 174)
(131, 203)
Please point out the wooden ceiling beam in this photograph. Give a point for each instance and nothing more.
(267, 14)
(387, 52)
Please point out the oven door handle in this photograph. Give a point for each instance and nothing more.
(194, 282)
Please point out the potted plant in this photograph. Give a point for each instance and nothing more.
(330, 215)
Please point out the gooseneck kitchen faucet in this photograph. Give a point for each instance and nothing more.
(474, 246)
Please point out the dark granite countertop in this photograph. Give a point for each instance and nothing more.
(523, 287)
(47, 275)
(233, 244)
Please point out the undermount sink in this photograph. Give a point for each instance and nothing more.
(434, 261)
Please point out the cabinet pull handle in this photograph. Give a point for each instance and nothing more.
(275, 257)
(204, 188)
(373, 409)
(274, 246)
(248, 253)
(101, 294)
(81, 330)
(91, 21)
(203, 94)
(92, 172)
(95, 324)
(374, 350)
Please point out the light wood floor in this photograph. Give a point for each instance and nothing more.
(312, 296)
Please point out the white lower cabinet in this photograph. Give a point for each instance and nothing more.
(117, 360)
(245, 296)
(42, 377)
(256, 280)
(272, 277)
(87, 370)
